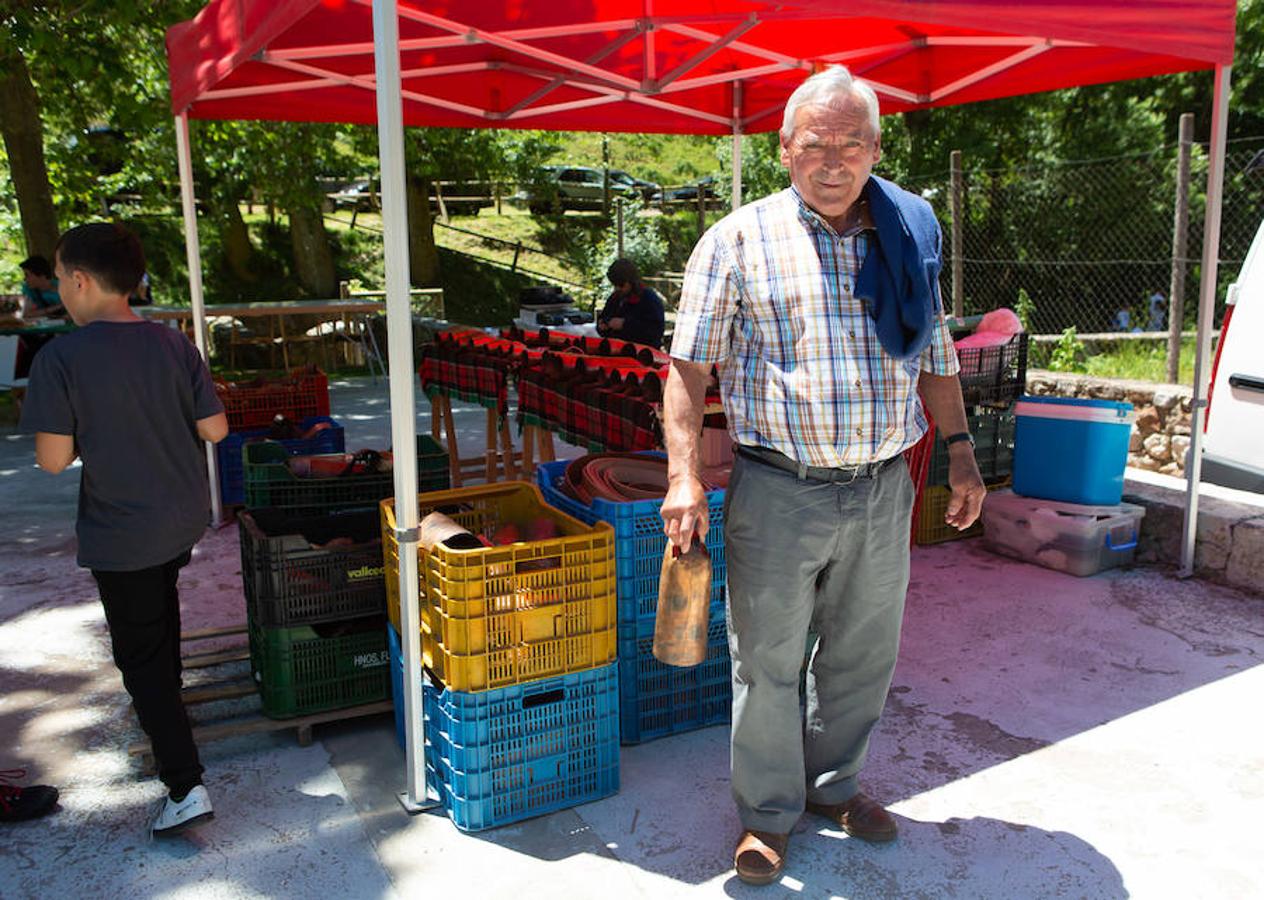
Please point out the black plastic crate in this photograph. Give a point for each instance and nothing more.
(994, 376)
(993, 432)
(301, 570)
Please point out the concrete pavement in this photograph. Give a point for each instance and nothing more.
(1045, 736)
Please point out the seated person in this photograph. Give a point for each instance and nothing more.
(142, 295)
(40, 300)
(39, 291)
(634, 312)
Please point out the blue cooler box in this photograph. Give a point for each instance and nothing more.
(1070, 449)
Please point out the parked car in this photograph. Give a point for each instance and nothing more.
(571, 187)
(463, 198)
(1233, 449)
(647, 189)
(358, 195)
(689, 192)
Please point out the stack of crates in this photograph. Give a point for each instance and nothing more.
(520, 695)
(311, 555)
(992, 379)
(251, 408)
(315, 607)
(655, 699)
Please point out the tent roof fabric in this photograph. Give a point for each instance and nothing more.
(672, 66)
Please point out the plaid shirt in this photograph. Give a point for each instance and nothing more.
(767, 296)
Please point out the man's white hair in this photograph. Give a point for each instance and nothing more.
(825, 88)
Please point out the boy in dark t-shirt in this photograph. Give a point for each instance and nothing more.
(133, 400)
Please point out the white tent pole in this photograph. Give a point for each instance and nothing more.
(1206, 311)
(399, 335)
(737, 144)
(193, 253)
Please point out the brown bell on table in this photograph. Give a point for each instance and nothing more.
(684, 605)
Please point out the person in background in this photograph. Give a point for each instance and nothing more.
(633, 312)
(142, 296)
(39, 301)
(134, 401)
(39, 290)
(1123, 319)
(1158, 311)
(820, 306)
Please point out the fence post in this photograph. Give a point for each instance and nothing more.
(958, 191)
(517, 249)
(443, 207)
(619, 224)
(702, 211)
(497, 189)
(1180, 241)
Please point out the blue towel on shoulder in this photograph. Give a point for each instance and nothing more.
(899, 279)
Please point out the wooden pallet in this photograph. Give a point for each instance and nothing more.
(234, 685)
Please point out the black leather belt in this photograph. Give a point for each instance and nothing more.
(840, 475)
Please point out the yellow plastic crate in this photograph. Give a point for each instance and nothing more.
(931, 528)
(500, 616)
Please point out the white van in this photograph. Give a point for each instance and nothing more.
(1233, 450)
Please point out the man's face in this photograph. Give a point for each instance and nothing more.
(830, 154)
(38, 282)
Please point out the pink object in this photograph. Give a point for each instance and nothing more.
(994, 329)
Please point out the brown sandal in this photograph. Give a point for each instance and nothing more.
(760, 856)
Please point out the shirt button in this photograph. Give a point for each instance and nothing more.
(852, 335)
(860, 432)
(857, 382)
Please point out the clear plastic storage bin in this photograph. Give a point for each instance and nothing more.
(1069, 537)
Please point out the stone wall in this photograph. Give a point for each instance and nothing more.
(1160, 436)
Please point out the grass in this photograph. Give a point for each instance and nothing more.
(1133, 360)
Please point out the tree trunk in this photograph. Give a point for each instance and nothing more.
(24, 144)
(423, 257)
(313, 260)
(239, 253)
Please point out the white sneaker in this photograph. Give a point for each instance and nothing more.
(174, 817)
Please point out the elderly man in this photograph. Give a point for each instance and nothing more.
(820, 307)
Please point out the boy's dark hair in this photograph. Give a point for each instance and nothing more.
(105, 250)
(623, 271)
(37, 265)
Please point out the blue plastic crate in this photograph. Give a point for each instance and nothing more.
(656, 699)
(639, 545)
(512, 753)
(232, 486)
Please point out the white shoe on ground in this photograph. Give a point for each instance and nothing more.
(174, 817)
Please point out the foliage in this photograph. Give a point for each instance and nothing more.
(1024, 307)
(1068, 353)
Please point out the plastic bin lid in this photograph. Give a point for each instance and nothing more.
(1007, 498)
(1077, 401)
(1077, 408)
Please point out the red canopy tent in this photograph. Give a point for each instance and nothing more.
(666, 65)
(677, 66)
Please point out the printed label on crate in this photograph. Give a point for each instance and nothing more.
(371, 660)
(366, 572)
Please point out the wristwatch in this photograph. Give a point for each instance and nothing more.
(958, 438)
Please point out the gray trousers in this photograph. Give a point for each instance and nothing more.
(834, 557)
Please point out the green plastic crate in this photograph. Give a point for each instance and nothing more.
(270, 483)
(311, 669)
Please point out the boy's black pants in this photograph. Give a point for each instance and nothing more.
(142, 608)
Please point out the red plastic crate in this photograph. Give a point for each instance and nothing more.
(254, 404)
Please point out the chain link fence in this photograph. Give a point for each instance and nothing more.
(1086, 239)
